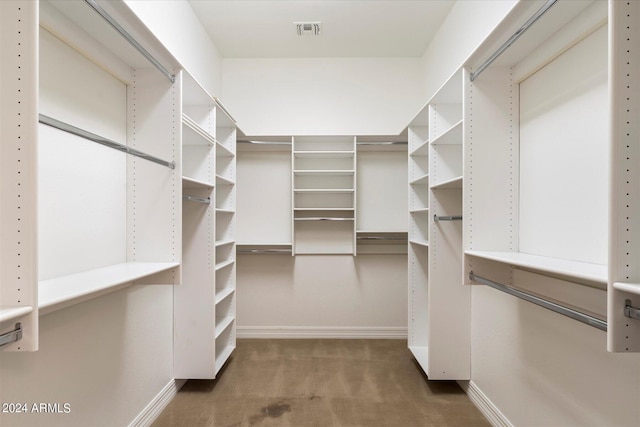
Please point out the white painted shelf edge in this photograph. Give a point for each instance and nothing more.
(224, 242)
(323, 172)
(382, 231)
(60, 292)
(223, 180)
(224, 264)
(325, 190)
(223, 356)
(226, 152)
(449, 184)
(424, 179)
(580, 270)
(421, 150)
(225, 211)
(13, 313)
(449, 136)
(419, 242)
(191, 124)
(220, 296)
(324, 154)
(264, 244)
(422, 210)
(196, 183)
(632, 288)
(223, 324)
(324, 209)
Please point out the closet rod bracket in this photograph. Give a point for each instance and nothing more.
(447, 218)
(631, 311)
(11, 336)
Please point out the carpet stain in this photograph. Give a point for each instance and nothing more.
(275, 410)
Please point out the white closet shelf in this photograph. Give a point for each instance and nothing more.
(323, 172)
(224, 151)
(453, 135)
(421, 210)
(225, 264)
(223, 324)
(421, 353)
(383, 231)
(419, 243)
(223, 294)
(452, 183)
(575, 269)
(221, 180)
(13, 313)
(264, 244)
(324, 218)
(324, 209)
(324, 154)
(194, 134)
(325, 190)
(191, 183)
(225, 211)
(424, 179)
(632, 288)
(61, 292)
(421, 150)
(224, 242)
(222, 357)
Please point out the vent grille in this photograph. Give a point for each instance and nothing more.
(308, 28)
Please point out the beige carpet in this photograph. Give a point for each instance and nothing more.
(306, 383)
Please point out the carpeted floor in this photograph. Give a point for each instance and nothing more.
(307, 383)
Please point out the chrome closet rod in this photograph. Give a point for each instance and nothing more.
(49, 121)
(264, 251)
(190, 198)
(11, 336)
(447, 218)
(474, 75)
(550, 305)
(132, 41)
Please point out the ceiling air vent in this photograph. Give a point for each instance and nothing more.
(308, 28)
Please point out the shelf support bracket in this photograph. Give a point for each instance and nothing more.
(631, 311)
(12, 336)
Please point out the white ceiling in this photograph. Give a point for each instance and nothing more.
(351, 28)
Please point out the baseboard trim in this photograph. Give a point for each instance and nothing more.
(485, 405)
(157, 405)
(301, 332)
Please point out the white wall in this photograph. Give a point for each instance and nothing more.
(322, 296)
(107, 358)
(323, 96)
(177, 27)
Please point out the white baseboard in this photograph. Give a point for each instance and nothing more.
(301, 332)
(485, 405)
(156, 406)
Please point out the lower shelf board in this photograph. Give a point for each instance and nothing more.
(13, 313)
(220, 296)
(61, 292)
(223, 324)
(421, 353)
(223, 356)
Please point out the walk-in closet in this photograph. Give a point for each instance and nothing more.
(314, 213)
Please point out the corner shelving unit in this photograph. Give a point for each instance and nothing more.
(323, 194)
(439, 306)
(204, 304)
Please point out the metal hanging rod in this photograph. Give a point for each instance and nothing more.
(630, 311)
(323, 219)
(560, 309)
(381, 238)
(264, 251)
(11, 336)
(447, 218)
(49, 121)
(474, 75)
(132, 41)
(190, 198)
